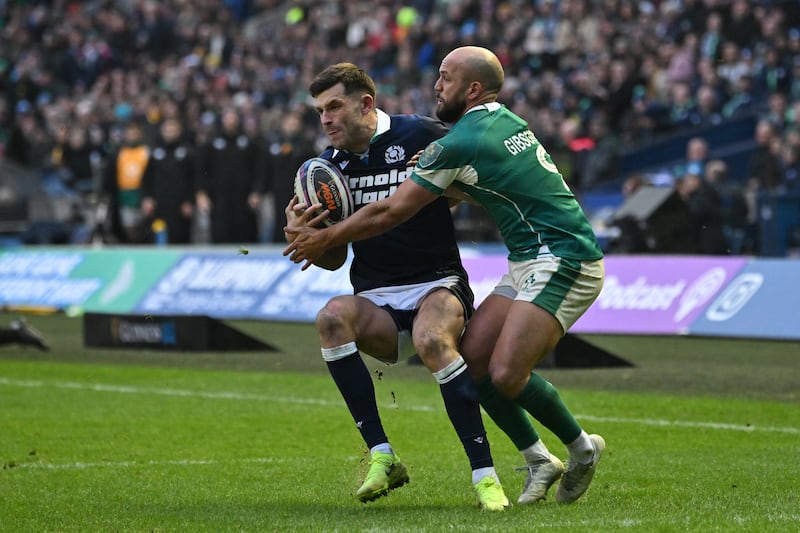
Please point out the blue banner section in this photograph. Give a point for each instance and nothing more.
(45, 279)
(762, 301)
(260, 285)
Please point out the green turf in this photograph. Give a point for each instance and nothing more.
(113, 440)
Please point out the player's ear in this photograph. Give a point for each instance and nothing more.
(474, 90)
(367, 104)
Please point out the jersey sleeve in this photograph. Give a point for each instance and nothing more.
(441, 164)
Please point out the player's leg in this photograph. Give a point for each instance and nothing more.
(553, 295)
(436, 331)
(19, 332)
(345, 324)
(542, 468)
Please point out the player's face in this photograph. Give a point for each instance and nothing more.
(451, 100)
(342, 119)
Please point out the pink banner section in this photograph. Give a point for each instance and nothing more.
(649, 295)
(656, 295)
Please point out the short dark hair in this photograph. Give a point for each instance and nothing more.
(353, 77)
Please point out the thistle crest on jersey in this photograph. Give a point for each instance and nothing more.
(320, 181)
(395, 154)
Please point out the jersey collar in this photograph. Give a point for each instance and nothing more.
(490, 107)
(384, 123)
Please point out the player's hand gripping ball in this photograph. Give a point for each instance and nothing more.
(320, 181)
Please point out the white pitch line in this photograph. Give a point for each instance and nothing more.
(134, 464)
(689, 424)
(126, 389)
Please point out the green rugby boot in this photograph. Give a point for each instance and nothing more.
(386, 473)
(490, 495)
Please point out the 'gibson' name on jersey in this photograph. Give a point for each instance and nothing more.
(519, 142)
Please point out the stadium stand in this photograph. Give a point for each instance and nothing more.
(74, 73)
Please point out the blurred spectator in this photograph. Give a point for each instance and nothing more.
(707, 112)
(122, 182)
(732, 67)
(602, 161)
(794, 86)
(632, 184)
(93, 66)
(28, 142)
(742, 100)
(168, 184)
(711, 38)
(764, 166)
(76, 161)
(773, 75)
(682, 110)
(790, 168)
(734, 206)
(290, 147)
(570, 150)
(777, 112)
(742, 28)
(697, 153)
(230, 181)
(705, 210)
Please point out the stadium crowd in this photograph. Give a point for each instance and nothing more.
(593, 77)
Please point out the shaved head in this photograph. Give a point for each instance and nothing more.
(477, 64)
(468, 76)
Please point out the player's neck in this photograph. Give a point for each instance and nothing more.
(365, 134)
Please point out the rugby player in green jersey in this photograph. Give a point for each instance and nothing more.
(555, 264)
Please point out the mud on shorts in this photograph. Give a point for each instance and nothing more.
(402, 302)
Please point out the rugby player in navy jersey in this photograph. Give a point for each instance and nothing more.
(411, 291)
(555, 263)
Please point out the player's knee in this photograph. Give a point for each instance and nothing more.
(336, 316)
(477, 362)
(506, 380)
(433, 346)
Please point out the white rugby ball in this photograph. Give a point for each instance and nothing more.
(320, 181)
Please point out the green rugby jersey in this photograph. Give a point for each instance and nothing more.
(492, 155)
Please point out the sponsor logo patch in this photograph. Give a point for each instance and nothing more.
(430, 154)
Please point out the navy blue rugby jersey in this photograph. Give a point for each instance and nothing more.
(421, 249)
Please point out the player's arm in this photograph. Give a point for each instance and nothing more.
(308, 243)
(455, 196)
(298, 215)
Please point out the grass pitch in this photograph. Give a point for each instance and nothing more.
(703, 435)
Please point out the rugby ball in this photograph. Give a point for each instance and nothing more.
(320, 181)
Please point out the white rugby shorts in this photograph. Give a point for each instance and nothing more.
(565, 288)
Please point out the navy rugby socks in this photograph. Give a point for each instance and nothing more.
(461, 402)
(355, 385)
